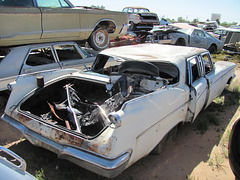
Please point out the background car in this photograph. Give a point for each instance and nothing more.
(13, 166)
(37, 21)
(234, 148)
(185, 35)
(141, 18)
(32, 58)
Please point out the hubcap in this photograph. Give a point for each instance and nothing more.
(100, 38)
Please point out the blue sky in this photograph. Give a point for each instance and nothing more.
(187, 9)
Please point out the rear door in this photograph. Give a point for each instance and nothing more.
(59, 20)
(198, 87)
(215, 80)
(40, 59)
(20, 20)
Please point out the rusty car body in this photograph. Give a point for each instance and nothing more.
(116, 112)
(185, 35)
(232, 42)
(37, 21)
(140, 18)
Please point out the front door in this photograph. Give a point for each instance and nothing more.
(59, 20)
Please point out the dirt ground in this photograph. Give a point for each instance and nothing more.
(185, 158)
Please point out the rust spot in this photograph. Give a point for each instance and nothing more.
(48, 131)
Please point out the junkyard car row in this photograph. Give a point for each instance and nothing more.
(38, 57)
(105, 111)
(50, 21)
(110, 116)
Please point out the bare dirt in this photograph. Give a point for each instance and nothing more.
(185, 158)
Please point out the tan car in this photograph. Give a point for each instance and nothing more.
(38, 21)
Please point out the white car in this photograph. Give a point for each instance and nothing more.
(13, 166)
(128, 104)
(186, 35)
(38, 57)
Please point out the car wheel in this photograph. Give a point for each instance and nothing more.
(99, 39)
(234, 149)
(212, 49)
(132, 26)
(170, 136)
(139, 67)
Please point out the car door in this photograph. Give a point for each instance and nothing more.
(198, 39)
(20, 21)
(40, 59)
(59, 20)
(215, 80)
(198, 87)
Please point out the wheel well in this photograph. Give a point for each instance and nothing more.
(214, 45)
(109, 25)
(181, 41)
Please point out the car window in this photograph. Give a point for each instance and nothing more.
(40, 56)
(207, 62)
(52, 3)
(194, 71)
(21, 3)
(67, 52)
(198, 33)
(3, 53)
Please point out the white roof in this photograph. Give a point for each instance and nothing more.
(154, 52)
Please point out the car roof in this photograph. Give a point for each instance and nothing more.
(154, 52)
(184, 26)
(30, 46)
(136, 7)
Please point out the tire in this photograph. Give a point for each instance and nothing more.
(212, 48)
(132, 26)
(139, 67)
(234, 149)
(161, 146)
(99, 39)
(180, 42)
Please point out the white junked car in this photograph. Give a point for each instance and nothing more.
(119, 110)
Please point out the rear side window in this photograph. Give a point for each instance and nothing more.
(52, 3)
(67, 52)
(40, 56)
(206, 58)
(20, 3)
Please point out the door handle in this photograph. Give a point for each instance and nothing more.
(28, 70)
(47, 10)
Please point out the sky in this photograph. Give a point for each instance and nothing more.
(187, 9)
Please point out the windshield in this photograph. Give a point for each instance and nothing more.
(141, 10)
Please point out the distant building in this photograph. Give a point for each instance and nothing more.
(215, 16)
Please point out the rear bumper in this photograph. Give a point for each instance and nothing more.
(102, 165)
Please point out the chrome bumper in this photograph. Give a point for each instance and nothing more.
(102, 165)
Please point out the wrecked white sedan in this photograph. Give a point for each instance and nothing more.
(120, 109)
